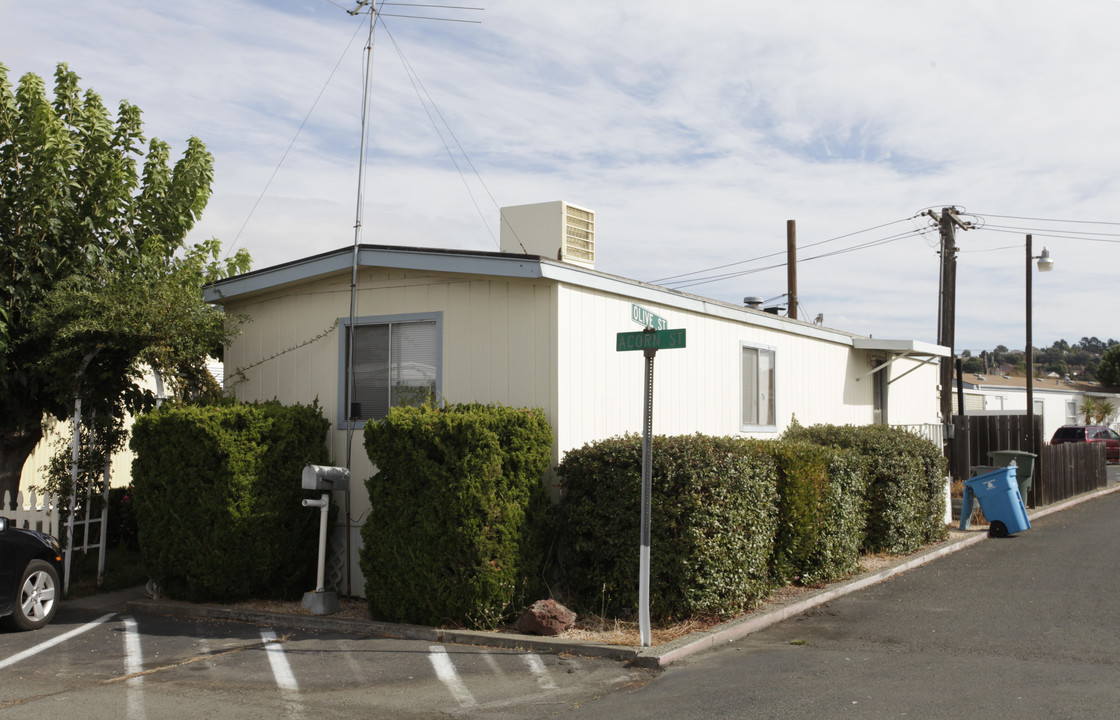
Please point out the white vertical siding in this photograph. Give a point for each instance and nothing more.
(698, 388)
(913, 396)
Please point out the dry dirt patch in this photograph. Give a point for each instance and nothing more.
(611, 631)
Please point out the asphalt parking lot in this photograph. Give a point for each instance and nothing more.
(114, 664)
(117, 655)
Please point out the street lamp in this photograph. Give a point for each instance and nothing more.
(1045, 264)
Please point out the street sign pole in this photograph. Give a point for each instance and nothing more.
(647, 492)
(649, 341)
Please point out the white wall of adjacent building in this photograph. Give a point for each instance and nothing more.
(1056, 407)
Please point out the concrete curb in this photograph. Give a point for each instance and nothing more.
(654, 657)
(381, 629)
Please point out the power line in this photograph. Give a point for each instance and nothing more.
(1097, 237)
(780, 252)
(295, 137)
(689, 279)
(1048, 220)
(417, 86)
(854, 248)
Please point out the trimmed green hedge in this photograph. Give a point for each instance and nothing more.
(457, 506)
(217, 498)
(905, 483)
(821, 513)
(713, 519)
(733, 519)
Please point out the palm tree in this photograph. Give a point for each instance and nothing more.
(1105, 411)
(1090, 408)
(1097, 410)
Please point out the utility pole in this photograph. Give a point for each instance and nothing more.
(791, 267)
(947, 222)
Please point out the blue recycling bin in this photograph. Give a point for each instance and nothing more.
(998, 493)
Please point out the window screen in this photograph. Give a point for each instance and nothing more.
(395, 363)
(758, 387)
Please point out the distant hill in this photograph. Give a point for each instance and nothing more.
(1079, 361)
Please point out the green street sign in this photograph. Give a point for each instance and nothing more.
(647, 319)
(659, 340)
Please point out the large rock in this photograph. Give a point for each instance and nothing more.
(545, 617)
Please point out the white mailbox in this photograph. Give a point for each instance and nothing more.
(325, 478)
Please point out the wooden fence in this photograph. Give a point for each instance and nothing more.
(1070, 469)
(1060, 471)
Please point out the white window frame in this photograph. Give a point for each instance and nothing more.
(1072, 416)
(766, 377)
(390, 320)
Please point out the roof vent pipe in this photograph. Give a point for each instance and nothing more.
(753, 302)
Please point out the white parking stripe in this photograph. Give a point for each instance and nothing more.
(54, 641)
(493, 663)
(445, 671)
(282, 671)
(133, 665)
(536, 666)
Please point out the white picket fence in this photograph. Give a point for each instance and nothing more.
(32, 513)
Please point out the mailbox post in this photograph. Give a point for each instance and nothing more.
(326, 479)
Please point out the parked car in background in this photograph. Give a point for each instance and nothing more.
(1090, 433)
(30, 568)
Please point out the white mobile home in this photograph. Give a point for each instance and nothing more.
(528, 330)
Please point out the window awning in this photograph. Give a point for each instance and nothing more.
(923, 352)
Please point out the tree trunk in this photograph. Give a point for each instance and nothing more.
(16, 445)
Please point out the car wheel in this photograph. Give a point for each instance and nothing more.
(37, 597)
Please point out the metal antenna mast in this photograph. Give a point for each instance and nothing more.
(367, 79)
(351, 415)
(352, 408)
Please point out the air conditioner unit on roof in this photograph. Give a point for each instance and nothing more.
(551, 229)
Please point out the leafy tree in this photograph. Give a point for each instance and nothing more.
(1108, 372)
(95, 280)
(1059, 367)
(1093, 345)
(973, 365)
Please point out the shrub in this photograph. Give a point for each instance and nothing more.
(841, 534)
(121, 529)
(905, 477)
(217, 499)
(712, 525)
(821, 513)
(457, 506)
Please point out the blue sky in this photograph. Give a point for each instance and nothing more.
(693, 130)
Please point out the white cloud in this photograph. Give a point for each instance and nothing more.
(695, 131)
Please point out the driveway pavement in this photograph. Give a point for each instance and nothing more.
(134, 601)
